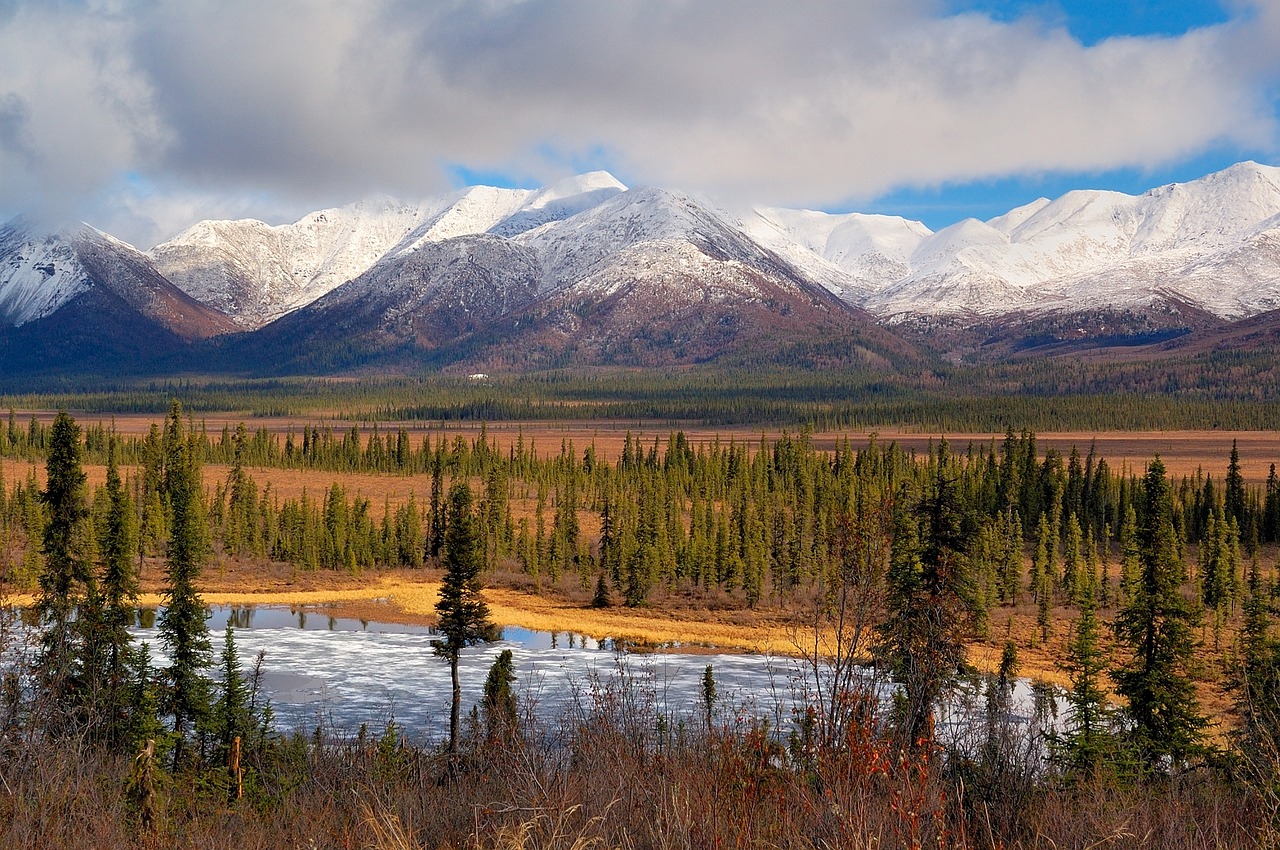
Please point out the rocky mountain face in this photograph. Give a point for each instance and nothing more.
(589, 271)
(256, 273)
(644, 277)
(80, 298)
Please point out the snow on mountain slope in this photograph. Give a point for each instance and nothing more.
(1206, 242)
(853, 255)
(466, 213)
(254, 272)
(1014, 218)
(41, 273)
(1197, 242)
(580, 246)
(421, 299)
(38, 274)
(1215, 211)
(559, 201)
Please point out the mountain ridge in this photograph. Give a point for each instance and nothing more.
(592, 269)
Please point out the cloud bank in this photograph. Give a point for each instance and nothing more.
(144, 114)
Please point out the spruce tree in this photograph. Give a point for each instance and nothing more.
(1218, 560)
(1270, 531)
(1130, 562)
(66, 581)
(929, 602)
(1234, 500)
(1010, 565)
(709, 695)
(601, 598)
(1257, 684)
(1073, 557)
(230, 714)
(436, 519)
(1042, 579)
(498, 707)
(1157, 625)
(181, 626)
(463, 614)
(238, 535)
(1087, 739)
(118, 543)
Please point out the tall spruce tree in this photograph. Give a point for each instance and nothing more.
(1257, 685)
(1270, 531)
(463, 614)
(929, 603)
(242, 499)
(436, 512)
(181, 626)
(230, 715)
(66, 580)
(1234, 500)
(117, 544)
(1087, 739)
(1157, 626)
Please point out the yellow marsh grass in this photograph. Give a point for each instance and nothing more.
(398, 600)
(416, 602)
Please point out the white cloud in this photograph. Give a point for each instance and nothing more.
(317, 101)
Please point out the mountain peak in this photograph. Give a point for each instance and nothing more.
(1071, 249)
(590, 181)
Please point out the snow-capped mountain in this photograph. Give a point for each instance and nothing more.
(853, 254)
(654, 277)
(418, 301)
(1210, 243)
(41, 273)
(256, 273)
(587, 268)
(79, 299)
(639, 277)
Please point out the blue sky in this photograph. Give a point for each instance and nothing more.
(164, 112)
(1092, 21)
(940, 206)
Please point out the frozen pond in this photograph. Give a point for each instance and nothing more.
(344, 673)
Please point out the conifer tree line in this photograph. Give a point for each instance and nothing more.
(755, 519)
(1229, 390)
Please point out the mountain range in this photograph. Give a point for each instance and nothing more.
(587, 271)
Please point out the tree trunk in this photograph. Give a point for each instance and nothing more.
(456, 708)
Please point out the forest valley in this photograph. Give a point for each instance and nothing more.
(1148, 602)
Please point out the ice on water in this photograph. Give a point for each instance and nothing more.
(343, 673)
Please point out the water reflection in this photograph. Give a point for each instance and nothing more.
(255, 617)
